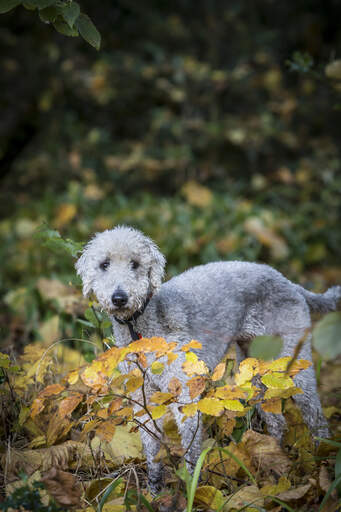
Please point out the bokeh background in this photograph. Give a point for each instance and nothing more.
(213, 126)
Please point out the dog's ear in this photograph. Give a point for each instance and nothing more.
(84, 271)
(157, 269)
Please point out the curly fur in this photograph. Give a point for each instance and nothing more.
(217, 304)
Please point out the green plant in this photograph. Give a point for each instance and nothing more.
(27, 498)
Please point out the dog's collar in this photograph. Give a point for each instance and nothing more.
(130, 321)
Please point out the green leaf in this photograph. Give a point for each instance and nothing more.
(327, 336)
(107, 493)
(51, 238)
(42, 4)
(8, 5)
(70, 13)
(338, 470)
(48, 15)
(91, 317)
(64, 28)
(265, 347)
(88, 31)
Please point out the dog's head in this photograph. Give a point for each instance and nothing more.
(123, 267)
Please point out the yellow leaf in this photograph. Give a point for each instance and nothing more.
(218, 371)
(65, 214)
(281, 393)
(189, 409)
(106, 430)
(158, 411)
(154, 344)
(233, 405)
(211, 406)
(157, 368)
(161, 398)
(273, 405)
(191, 344)
(194, 366)
(298, 365)
(274, 489)
(134, 383)
(92, 377)
(229, 392)
(277, 380)
(247, 369)
(73, 377)
(209, 497)
(103, 413)
(196, 386)
(278, 365)
(196, 194)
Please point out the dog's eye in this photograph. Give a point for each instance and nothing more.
(104, 265)
(134, 264)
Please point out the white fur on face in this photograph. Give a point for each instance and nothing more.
(119, 248)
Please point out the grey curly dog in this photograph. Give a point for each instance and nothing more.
(217, 304)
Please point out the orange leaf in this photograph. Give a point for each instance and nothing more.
(142, 360)
(196, 386)
(53, 389)
(103, 413)
(69, 404)
(37, 406)
(115, 405)
(171, 357)
(191, 344)
(126, 412)
(106, 430)
(219, 371)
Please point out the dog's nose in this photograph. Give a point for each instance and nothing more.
(119, 298)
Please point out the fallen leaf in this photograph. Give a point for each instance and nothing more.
(294, 494)
(266, 453)
(209, 497)
(106, 430)
(246, 496)
(63, 487)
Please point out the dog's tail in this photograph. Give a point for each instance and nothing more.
(322, 302)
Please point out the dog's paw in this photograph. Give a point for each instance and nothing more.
(155, 485)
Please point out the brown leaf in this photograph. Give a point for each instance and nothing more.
(266, 452)
(175, 386)
(53, 389)
(294, 494)
(245, 496)
(63, 487)
(106, 430)
(196, 386)
(57, 428)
